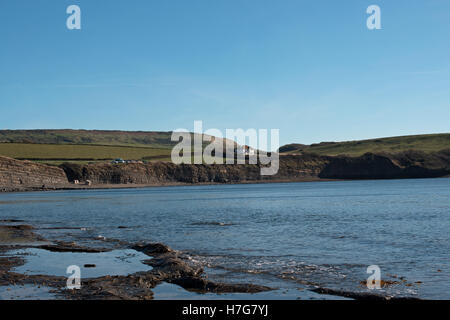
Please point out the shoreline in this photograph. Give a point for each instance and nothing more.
(72, 187)
(161, 265)
(109, 186)
(169, 268)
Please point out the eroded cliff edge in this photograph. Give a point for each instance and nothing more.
(18, 175)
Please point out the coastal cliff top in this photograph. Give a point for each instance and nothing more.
(423, 143)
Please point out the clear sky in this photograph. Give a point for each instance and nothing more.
(309, 68)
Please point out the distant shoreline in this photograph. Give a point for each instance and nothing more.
(180, 184)
(156, 185)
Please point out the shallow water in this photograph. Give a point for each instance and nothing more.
(26, 292)
(167, 291)
(291, 236)
(113, 263)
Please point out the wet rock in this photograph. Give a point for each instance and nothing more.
(70, 247)
(64, 228)
(152, 248)
(358, 295)
(17, 234)
(22, 227)
(7, 263)
(173, 268)
(132, 287)
(383, 283)
(168, 266)
(202, 285)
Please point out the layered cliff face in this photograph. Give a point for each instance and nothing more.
(26, 175)
(396, 166)
(18, 175)
(434, 160)
(292, 168)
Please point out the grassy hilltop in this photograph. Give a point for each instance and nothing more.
(151, 139)
(425, 143)
(82, 146)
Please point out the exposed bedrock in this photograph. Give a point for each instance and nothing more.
(361, 295)
(171, 266)
(18, 175)
(372, 166)
(291, 168)
(168, 265)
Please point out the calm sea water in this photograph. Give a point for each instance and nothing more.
(291, 236)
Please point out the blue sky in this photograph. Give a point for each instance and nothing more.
(309, 68)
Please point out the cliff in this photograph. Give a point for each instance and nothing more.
(372, 166)
(292, 168)
(24, 175)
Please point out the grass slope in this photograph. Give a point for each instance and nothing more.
(81, 146)
(426, 143)
(56, 146)
(56, 153)
(92, 137)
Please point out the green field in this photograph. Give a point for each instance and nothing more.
(147, 139)
(426, 143)
(89, 137)
(82, 146)
(55, 154)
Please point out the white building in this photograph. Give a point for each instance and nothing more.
(245, 150)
